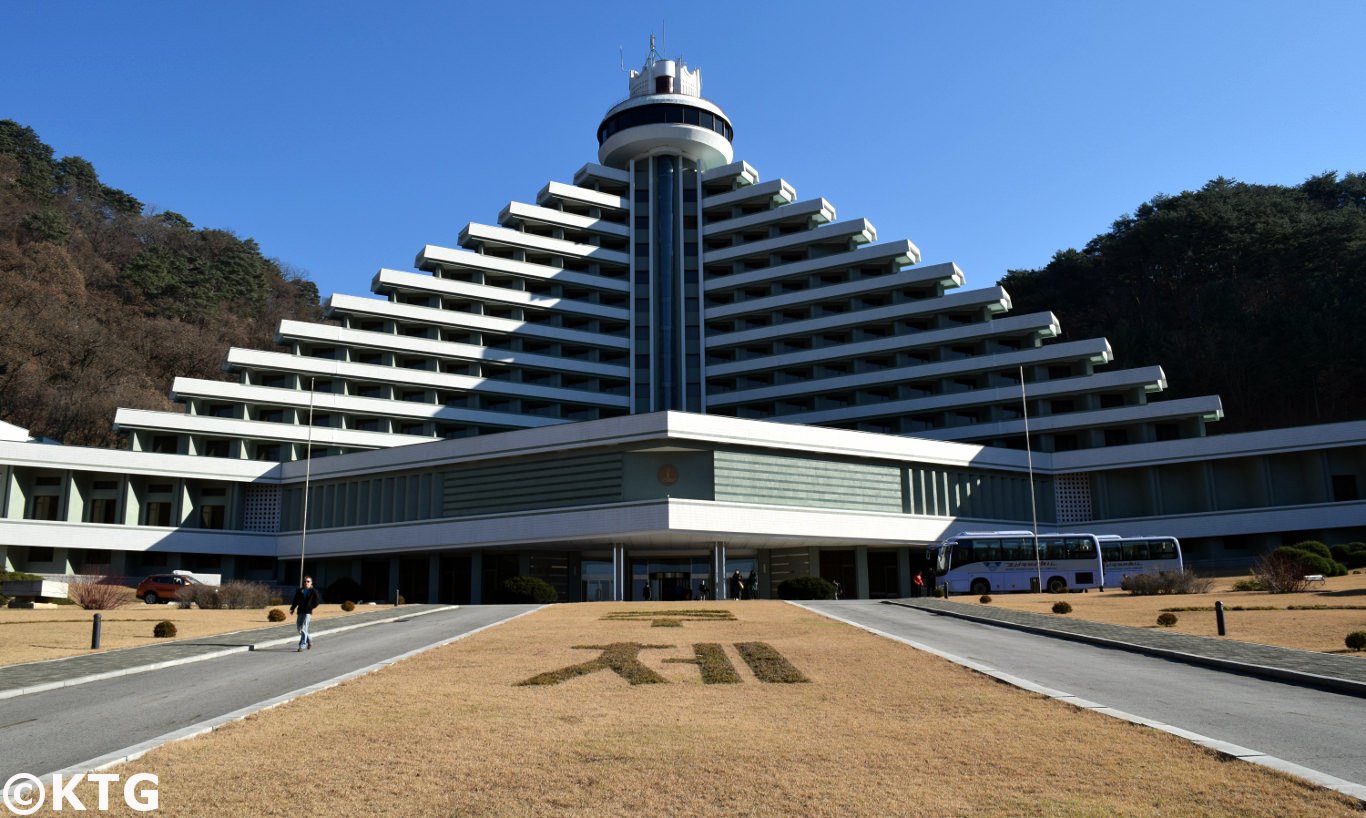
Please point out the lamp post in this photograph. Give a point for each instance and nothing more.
(308, 473)
(1033, 504)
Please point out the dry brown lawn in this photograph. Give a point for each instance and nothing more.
(1319, 630)
(879, 729)
(35, 634)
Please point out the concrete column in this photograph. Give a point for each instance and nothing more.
(476, 577)
(227, 567)
(118, 563)
(129, 505)
(5, 564)
(861, 571)
(14, 495)
(903, 572)
(720, 582)
(618, 573)
(74, 493)
(763, 557)
(433, 577)
(183, 512)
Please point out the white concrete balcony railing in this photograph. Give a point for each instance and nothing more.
(1148, 378)
(1206, 407)
(331, 334)
(170, 422)
(895, 252)
(434, 257)
(1096, 350)
(593, 172)
(738, 173)
(1041, 324)
(331, 402)
(475, 234)
(987, 298)
(376, 373)
(776, 191)
(946, 274)
(581, 195)
(388, 281)
(516, 213)
(810, 212)
(846, 234)
(352, 305)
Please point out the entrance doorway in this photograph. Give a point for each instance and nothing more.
(671, 586)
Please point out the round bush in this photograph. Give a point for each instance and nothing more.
(165, 629)
(1311, 562)
(1314, 547)
(1356, 559)
(1062, 608)
(1166, 619)
(985, 599)
(348, 606)
(941, 592)
(276, 615)
(806, 588)
(523, 590)
(1356, 640)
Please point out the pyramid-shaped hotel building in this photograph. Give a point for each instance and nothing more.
(663, 371)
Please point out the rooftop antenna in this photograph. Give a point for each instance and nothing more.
(621, 57)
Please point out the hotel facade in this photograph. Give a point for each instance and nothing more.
(663, 371)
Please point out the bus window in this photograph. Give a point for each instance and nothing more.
(1080, 549)
(1137, 550)
(1162, 550)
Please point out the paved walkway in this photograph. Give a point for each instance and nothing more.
(1345, 674)
(32, 677)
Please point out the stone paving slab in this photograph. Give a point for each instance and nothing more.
(1345, 674)
(32, 677)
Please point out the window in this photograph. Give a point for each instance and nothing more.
(157, 513)
(1345, 488)
(212, 517)
(103, 510)
(45, 507)
(39, 553)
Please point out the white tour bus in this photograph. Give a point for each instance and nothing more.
(1126, 556)
(980, 562)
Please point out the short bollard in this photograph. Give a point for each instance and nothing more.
(1219, 616)
(95, 632)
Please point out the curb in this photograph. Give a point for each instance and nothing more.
(1224, 748)
(1278, 674)
(95, 677)
(209, 725)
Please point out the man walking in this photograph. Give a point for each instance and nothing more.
(305, 600)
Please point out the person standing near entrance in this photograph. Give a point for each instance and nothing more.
(737, 585)
(752, 585)
(919, 584)
(305, 600)
(702, 592)
(645, 591)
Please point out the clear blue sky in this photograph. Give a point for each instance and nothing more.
(343, 136)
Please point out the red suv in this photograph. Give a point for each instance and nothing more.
(163, 587)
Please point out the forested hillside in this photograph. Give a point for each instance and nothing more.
(1254, 292)
(103, 303)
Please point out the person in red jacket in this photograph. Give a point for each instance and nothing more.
(305, 600)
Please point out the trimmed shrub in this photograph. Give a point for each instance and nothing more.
(344, 588)
(1166, 582)
(1356, 559)
(1062, 608)
(1314, 547)
(523, 590)
(1166, 619)
(276, 615)
(806, 588)
(1356, 640)
(941, 592)
(1339, 553)
(402, 600)
(1312, 562)
(165, 629)
(348, 606)
(244, 595)
(985, 599)
(1253, 584)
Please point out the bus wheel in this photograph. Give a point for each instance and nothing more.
(1057, 585)
(980, 587)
